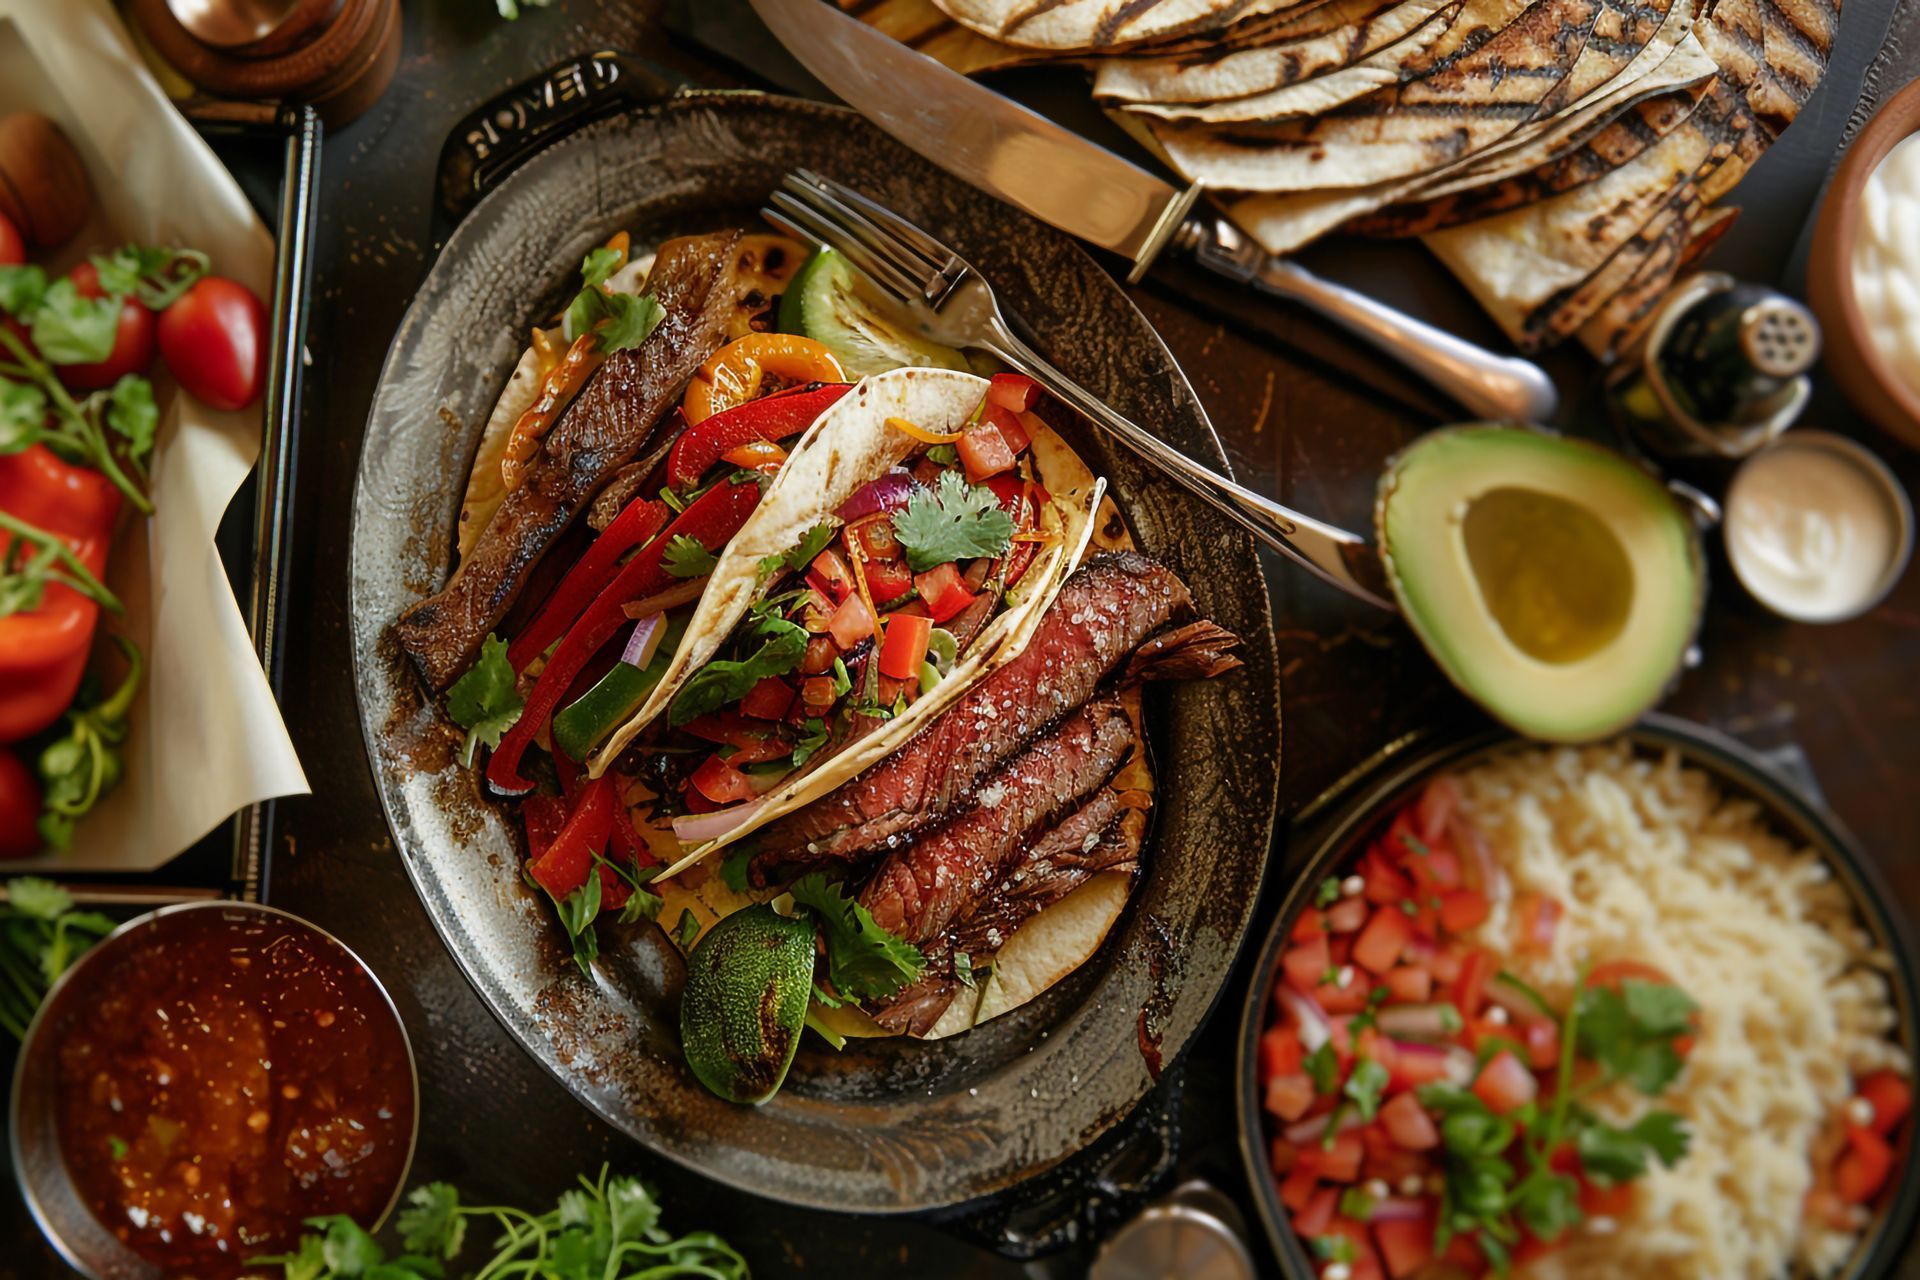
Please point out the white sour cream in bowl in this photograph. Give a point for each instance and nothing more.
(1886, 261)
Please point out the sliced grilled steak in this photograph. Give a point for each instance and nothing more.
(607, 426)
(1050, 868)
(1103, 612)
(921, 889)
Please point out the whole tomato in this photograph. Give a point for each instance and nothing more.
(13, 249)
(214, 338)
(132, 344)
(19, 807)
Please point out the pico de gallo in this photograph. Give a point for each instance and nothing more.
(1427, 1107)
(870, 609)
(78, 417)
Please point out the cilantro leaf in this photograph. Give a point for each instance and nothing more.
(1324, 1066)
(687, 931)
(69, 328)
(132, 413)
(1665, 1135)
(1365, 1085)
(598, 266)
(1355, 1203)
(41, 899)
(347, 1248)
(1549, 1205)
(578, 911)
(23, 415)
(1334, 1249)
(21, 289)
(864, 961)
(724, 681)
(953, 521)
(484, 701)
(642, 904)
(1328, 893)
(1624, 1154)
(687, 557)
(1658, 1009)
(811, 544)
(431, 1222)
(1630, 1031)
(815, 737)
(156, 276)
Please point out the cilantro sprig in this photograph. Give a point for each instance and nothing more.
(485, 701)
(864, 961)
(952, 521)
(41, 935)
(724, 681)
(608, 1229)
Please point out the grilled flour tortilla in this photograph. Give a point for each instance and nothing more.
(1071, 26)
(848, 447)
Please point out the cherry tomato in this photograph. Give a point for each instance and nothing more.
(132, 344)
(13, 249)
(214, 338)
(19, 807)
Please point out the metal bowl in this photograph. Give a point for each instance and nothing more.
(1331, 831)
(38, 1166)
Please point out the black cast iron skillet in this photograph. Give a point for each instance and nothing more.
(1331, 833)
(886, 1126)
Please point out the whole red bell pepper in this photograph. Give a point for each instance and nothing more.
(43, 649)
(773, 417)
(637, 521)
(712, 520)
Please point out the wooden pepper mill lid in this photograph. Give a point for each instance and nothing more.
(336, 55)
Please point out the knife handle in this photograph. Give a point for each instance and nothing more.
(1495, 387)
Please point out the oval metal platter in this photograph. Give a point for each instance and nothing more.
(885, 1126)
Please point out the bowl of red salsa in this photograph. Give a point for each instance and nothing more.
(1383, 1051)
(206, 1078)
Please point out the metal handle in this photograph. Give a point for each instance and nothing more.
(1494, 387)
(1341, 558)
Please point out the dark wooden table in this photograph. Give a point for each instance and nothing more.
(1303, 417)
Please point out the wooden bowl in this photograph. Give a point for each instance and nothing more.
(1851, 356)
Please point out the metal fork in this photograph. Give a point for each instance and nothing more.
(951, 303)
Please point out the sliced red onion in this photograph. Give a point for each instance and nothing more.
(1482, 872)
(1399, 1209)
(1514, 1000)
(1309, 1020)
(1422, 1021)
(888, 493)
(1314, 1128)
(698, 828)
(645, 640)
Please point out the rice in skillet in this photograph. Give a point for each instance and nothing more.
(1652, 863)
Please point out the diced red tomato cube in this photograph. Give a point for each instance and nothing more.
(1542, 1039)
(1415, 1066)
(1290, 1095)
(1469, 989)
(720, 782)
(1409, 984)
(943, 591)
(1443, 867)
(888, 580)
(830, 575)
(1312, 1220)
(1406, 1244)
(1283, 1155)
(768, 700)
(1436, 804)
(1309, 926)
(1863, 1170)
(1409, 1124)
(1505, 1084)
(1306, 964)
(851, 623)
(1386, 886)
(1462, 910)
(1280, 1052)
(905, 647)
(1349, 915)
(1334, 998)
(984, 452)
(1892, 1099)
(1446, 964)
(1380, 943)
(1296, 1190)
(1536, 917)
(1613, 1201)
(1338, 1163)
(1014, 392)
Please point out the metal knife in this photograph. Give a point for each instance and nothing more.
(1082, 188)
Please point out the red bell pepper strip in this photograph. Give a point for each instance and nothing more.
(564, 866)
(626, 840)
(712, 520)
(43, 650)
(638, 521)
(544, 816)
(773, 417)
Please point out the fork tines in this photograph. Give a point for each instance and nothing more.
(895, 254)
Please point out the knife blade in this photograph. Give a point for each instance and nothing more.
(1025, 159)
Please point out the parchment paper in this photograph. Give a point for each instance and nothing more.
(207, 739)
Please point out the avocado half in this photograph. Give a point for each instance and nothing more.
(1557, 583)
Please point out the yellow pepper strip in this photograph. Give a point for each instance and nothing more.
(755, 454)
(921, 433)
(733, 374)
(556, 389)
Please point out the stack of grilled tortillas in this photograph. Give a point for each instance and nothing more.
(1562, 157)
